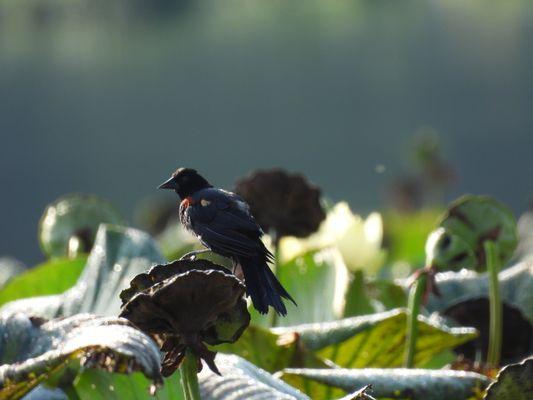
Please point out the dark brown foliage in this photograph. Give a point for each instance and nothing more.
(187, 304)
(283, 204)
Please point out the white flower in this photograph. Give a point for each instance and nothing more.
(357, 239)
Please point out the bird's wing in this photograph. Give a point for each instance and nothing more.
(224, 223)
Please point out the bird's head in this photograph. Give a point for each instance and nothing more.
(185, 182)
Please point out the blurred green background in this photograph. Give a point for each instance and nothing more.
(108, 97)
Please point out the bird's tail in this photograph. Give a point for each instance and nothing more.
(262, 285)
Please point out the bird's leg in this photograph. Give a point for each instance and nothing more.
(192, 254)
(237, 270)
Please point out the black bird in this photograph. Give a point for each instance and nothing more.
(222, 222)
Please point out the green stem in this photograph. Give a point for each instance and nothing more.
(70, 392)
(496, 309)
(415, 299)
(189, 376)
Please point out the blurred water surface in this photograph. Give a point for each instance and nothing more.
(108, 97)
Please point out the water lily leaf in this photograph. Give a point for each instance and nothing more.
(413, 384)
(448, 252)
(318, 281)
(71, 216)
(377, 340)
(241, 380)
(32, 350)
(272, 352)
(117, 256)
(9, 268)
(514, 382)
(476, 219)
(53, 277)
(516, 288)
(374, 295)
(95, 384)
(357, 301)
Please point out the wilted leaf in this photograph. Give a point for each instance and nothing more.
(187, 304)
(514, 382)
(52, 277)
(33, 351)
(377, 340)
(413, 384)
(272, 352)
(117, 256)
(241, 380)
(70, 216)
(283, 203)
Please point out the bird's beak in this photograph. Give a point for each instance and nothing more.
(169, 184)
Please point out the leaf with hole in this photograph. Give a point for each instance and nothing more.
(377, 340)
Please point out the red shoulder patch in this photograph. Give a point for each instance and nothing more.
(186, 202)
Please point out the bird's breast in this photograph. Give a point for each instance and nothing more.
(184, 206)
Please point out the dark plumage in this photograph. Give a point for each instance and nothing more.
(222, 222)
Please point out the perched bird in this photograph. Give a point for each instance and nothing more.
(222, 222)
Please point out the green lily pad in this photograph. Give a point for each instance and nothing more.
(514, 382)
(367, 296)
(377, 340)
(317, 281)
(476, 219)
(71, 216)
(400, 383)
(117, 256)
(32, 350)
(53, 277)
(272, 352)
(95, 384)
(446, 252)
(241, 380)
